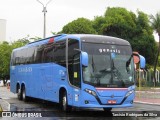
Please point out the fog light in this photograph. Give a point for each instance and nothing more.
(131, 102)
(86, 101)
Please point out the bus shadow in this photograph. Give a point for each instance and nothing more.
(51, 109)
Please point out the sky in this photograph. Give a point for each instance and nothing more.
(25, 17)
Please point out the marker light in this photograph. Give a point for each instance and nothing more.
(51, 40)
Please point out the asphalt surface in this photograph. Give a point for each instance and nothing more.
(9, 102)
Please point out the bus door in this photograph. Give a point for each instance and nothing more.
(74, 70)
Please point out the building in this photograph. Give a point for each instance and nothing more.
(2, 30)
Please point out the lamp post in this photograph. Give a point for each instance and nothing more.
(44, 11)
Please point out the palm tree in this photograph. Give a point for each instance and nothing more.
(155, 23)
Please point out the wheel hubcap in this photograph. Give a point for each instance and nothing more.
(24, 94)
(64, 102)
(18, 92)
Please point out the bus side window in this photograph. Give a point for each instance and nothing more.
(12, 59)
(38, 54)
(59, 56)
(21, 57)
(74, 63)
(29, 59)
(48, 54)
(17, 58)
(17, 61)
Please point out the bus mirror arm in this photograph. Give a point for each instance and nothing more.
(78, 50)
(84, 56)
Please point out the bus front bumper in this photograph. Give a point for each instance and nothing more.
(107, 102)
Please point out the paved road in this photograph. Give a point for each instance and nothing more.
(37, 105)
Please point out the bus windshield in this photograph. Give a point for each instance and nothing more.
(109, 65)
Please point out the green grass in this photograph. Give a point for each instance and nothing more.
(143, 88)
(147, 89)
(1, 109)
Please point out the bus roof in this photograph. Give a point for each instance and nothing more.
(83, 37)
(102, 39)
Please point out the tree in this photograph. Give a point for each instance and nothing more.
(79, 26)
(36, 38)
(118, 22)
(143, 39)
(98, 24)
(5, 52)
(155, 22)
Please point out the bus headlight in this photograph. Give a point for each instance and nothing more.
(129, 93)
(91, 92)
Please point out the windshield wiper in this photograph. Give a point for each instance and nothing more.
(114, 72)
(96, 76)
(93, 65)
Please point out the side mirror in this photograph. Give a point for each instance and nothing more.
(139, 59)
(142, 62)
(84, 57)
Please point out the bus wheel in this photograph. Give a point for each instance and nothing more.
(107, 109)
(64, 103)
(24, 97)
(19, 94)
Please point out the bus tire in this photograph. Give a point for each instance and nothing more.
(19, 93)
(64, 103)
(24, 97)
(107, 109)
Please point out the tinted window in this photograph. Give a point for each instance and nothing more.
(38, 53)
(20, 57)
(23, 56)
(30, 55)
(13, 58)
(54, 52)
(74, 63)
(48, 54)
(59, 53)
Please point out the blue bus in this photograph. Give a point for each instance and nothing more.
(75, 70)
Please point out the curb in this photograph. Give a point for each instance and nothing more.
(4, 105)
(146, 103)
(1, 109)
(148, 92)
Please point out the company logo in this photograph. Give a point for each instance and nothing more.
(112, 96)
(25, 69)
(109, 50)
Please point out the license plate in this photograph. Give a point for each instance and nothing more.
(112, 101)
